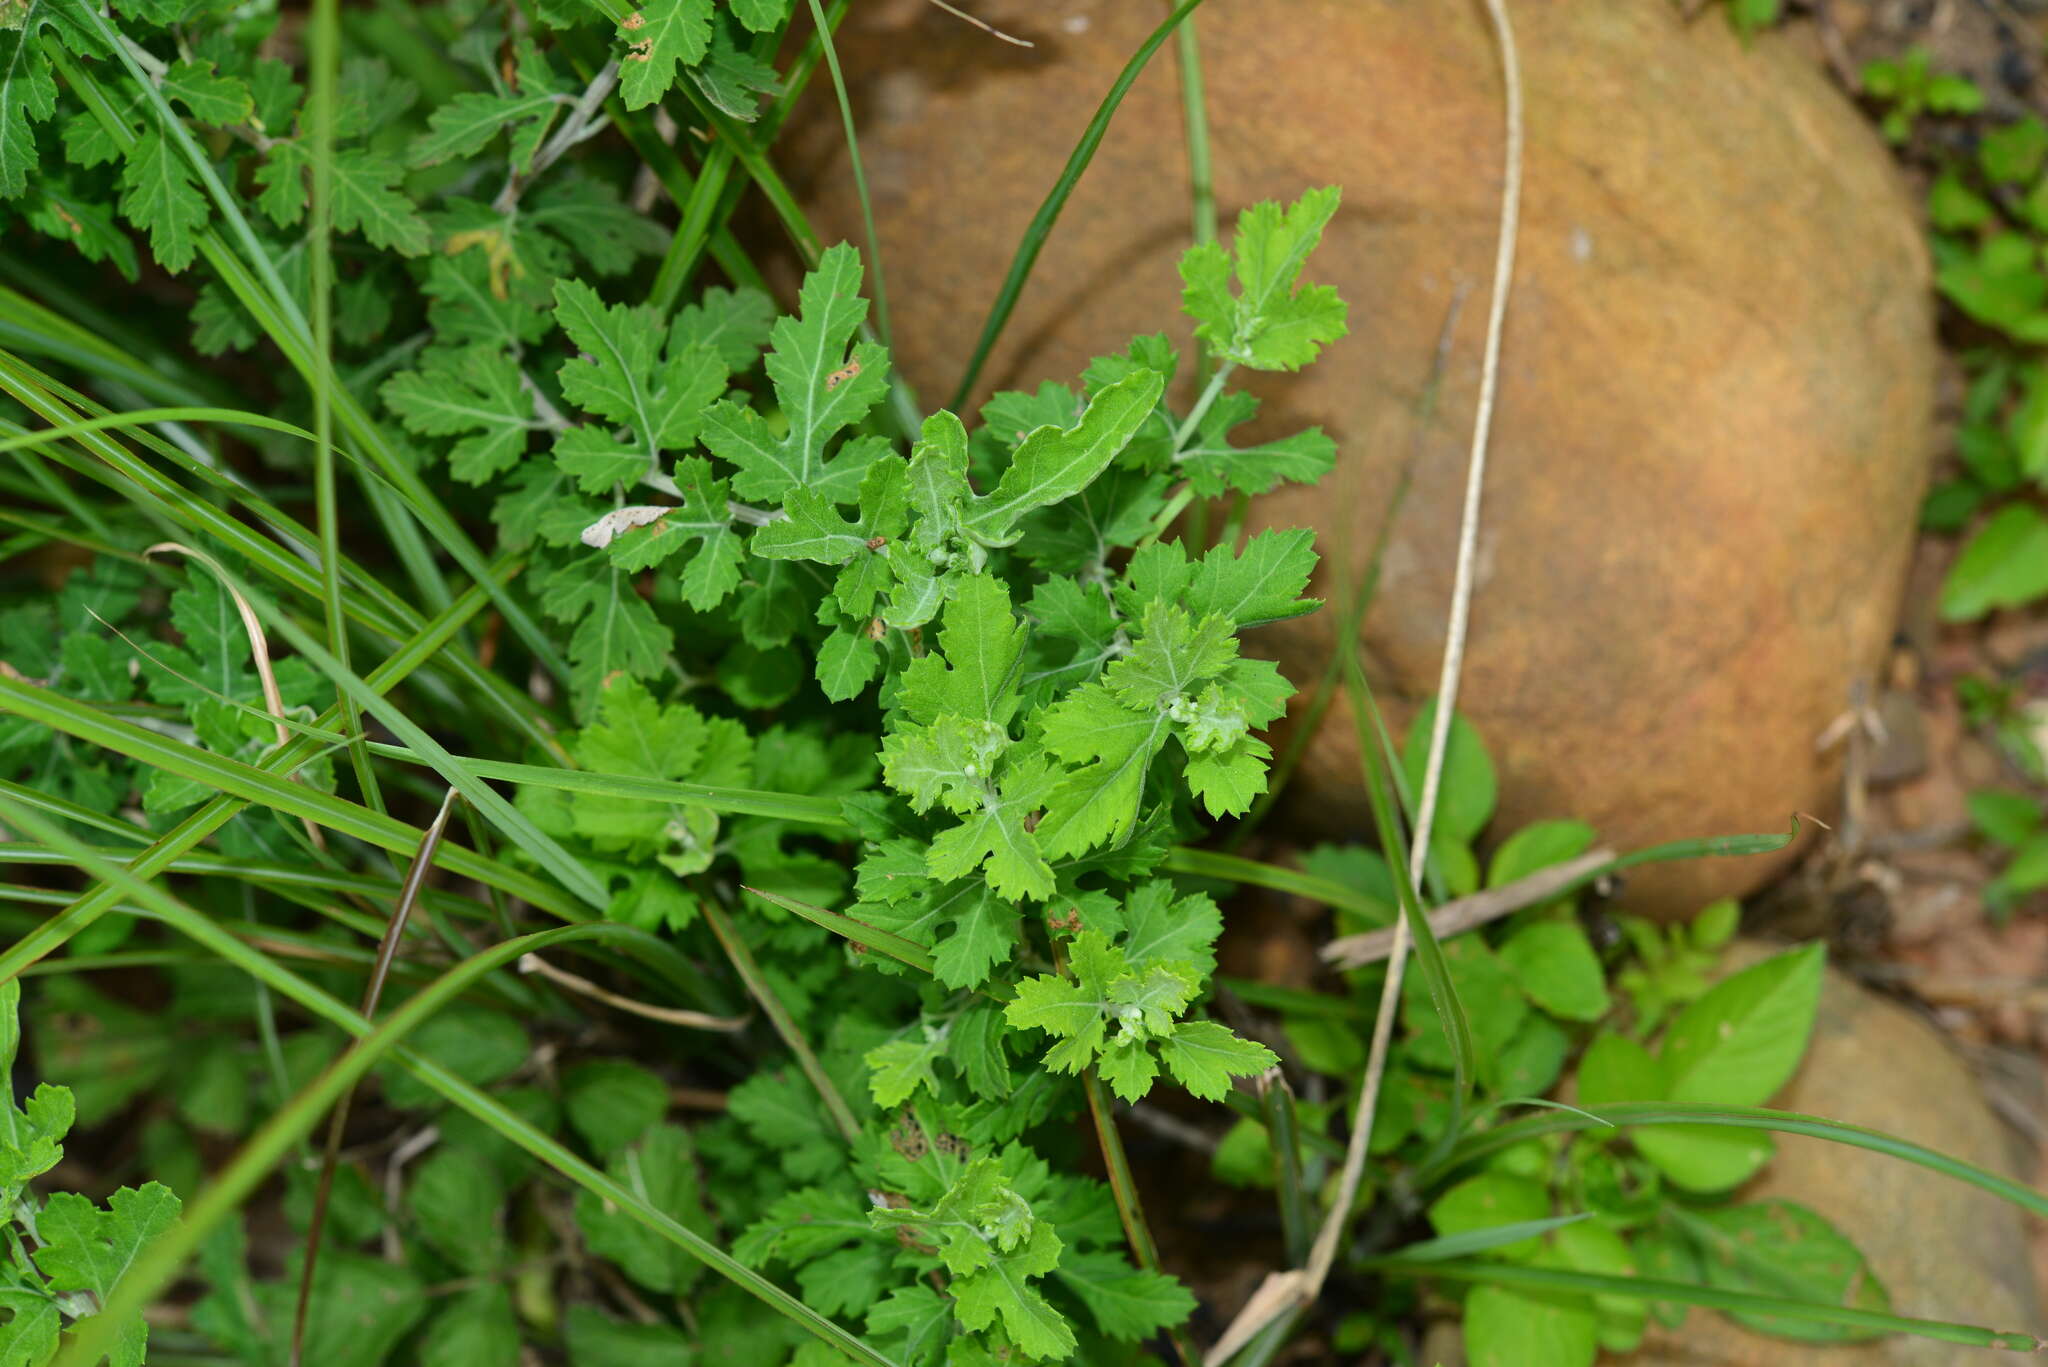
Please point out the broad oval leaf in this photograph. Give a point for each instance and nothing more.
(1741, 1041)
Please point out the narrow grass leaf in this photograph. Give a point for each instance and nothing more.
(515, 825)
(811, 811)
(1041, 225)
(1747, 1303)
(1635, 1113)
(1470, 1241)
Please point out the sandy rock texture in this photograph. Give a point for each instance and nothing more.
(1713, 427)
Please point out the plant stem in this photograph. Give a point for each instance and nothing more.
(580, 125)
(1124, 1187)
(1173, 509)
(324, 59)
(860, 175)
(1195, 115)
(1211, 392)
(1201, 206)
(1283, 1131)
(778, 1016)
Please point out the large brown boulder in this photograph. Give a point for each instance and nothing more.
(1713, 424)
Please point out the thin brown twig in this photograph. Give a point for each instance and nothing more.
(668, 1015)
(387, 953)
(697, 1098)
(1466, 913)
(1327, 1239)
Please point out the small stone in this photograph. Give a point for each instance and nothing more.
(1944, 1250)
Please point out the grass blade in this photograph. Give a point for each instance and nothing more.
(1040, 228)
(512, 822)
(1200, 863)
(859, 932)
(172, 850)
(71, 811)
(778, 1016)
(239, 785)
(705, 220)
(1633, 1113)
(139, 417)
(156, 1269)
(1742, 1302)
(256, 284)
(1429, 954)
(373, 604)
(31, 326)
(1283, 1128)
(1247, 1105)
(324, 62)
(811, 811)
(860, 175)
(1481, 1240)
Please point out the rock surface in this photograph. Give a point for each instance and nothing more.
(1713, 424)
(1943, 1250)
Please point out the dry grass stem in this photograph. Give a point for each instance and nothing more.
(1466, 913)
(668, 1015)
(990, 29)
(259, 655)
(1282, 1291)
(373, 992)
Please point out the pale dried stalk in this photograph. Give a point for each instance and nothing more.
(259, 653)
(1325, 1251)
(1467, 913)
(984, 25)
(1285, 1291)
(670, 1015)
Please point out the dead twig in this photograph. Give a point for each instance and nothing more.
(1466, 913)
(259, 653)
(394, 1186)
(1294, 1288)
(387, 953)
(1171, 1128)
(990, 29)
(668, 1015)
(697, 1098)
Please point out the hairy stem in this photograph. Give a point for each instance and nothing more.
(1124, 1187)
